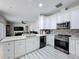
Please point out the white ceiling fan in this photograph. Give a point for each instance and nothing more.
(23, 22)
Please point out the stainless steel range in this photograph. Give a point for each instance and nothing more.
(62, 43)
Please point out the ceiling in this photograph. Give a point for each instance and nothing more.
(28, 10)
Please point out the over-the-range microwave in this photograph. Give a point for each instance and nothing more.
(64, 25)
(18, 28)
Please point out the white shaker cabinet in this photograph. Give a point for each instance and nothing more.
(29, 44)
(36, 43)
(48, 22)
(50, 39)
(75, 19)
(72, 46)
(32, 43)
(60, 18)
(64, 16)
(8, 50)
(52, 21)
(19, 48)
(77, 47)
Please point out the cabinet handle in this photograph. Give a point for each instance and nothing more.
(8, 50)
(8, 43)
(8, 57)
(77, 42)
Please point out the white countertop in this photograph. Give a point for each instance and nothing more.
(13, 38)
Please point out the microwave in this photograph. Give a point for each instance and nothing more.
(18, 29)
(64, 25)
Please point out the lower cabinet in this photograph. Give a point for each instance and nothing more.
(74, 46)
(50, 39)
(32, 43)
(19, 48)
(8, 50)
(77, 47)
(29, 44)
(36, 43)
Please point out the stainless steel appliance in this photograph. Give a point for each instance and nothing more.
(64, 25)
(18, 29)
(18, 33)
(62, 43)
(42, 41)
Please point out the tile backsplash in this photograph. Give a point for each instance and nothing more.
(66, 32)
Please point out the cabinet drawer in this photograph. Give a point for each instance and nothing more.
(8, 50)
(9, 56)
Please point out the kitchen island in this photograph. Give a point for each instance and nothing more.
(17, 46)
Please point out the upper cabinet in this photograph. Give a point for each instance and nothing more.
(48, 22)
(52, 22)
(41, 19)
(75, 19)
(69, 15)
(63, 17)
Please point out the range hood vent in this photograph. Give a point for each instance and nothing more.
(59, 5)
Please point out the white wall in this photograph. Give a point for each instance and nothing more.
(2, 20)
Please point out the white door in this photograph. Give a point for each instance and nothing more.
(2, 31)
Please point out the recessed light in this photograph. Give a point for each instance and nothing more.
(40, 4)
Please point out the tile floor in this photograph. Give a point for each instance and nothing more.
(48, 52)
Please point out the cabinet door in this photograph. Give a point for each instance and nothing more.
(50, 40)
(19, 48)
(60, 18)
(64, 17)
(72, 46)
(36, 43)
(29, 44)
(52, 22)
(67, 16)
(49, 22)
(75, 19)
(77, 47)
(45, 23)
(8, 50)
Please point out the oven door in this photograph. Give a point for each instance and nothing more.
(62, 45)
